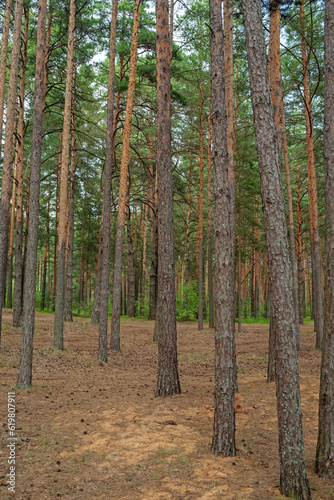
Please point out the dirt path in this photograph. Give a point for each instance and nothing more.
(96, 432)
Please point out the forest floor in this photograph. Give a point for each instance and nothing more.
(96, 432)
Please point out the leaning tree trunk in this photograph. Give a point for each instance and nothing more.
(223, 442)
(3, 63)
(8, 155)
(122, 194)
(293, 477)
(313, 201)
(168, 378)
(58, 339)
(25, 370)
(324, 463)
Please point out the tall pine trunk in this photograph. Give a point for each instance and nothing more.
(223, 441)
(209, 233)
(70, 228)
(29, 299)
(58, 339)
(275, 82)
(325, 448)
(3, 63)
(200, 214)
(313, 197)
(8, 155)
(122, 194)
(293, 477)
(168, 378)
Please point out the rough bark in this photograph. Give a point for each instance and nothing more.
(313, 202)
(45, 258)
(223, 442)
(293, 475)
(25, 370)
(58, 339)
(11, 241)
(168, 378)
(209, 234)
(3, 63)
(70, 228)
(324, 464)
(122, 193)
(143, 272)
(8, 155)
(131, 268)
(276, 89)
(154, 251)
(106, 209)
(300, 257)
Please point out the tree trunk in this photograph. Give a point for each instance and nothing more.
(168, 378)
(209, 234)
(223, 442)
(3, 63)
(293, 477)
(58, 339)
(11, 240)
(276, 88)
(154, 249)
(122, 194)
(8, 155)
(143, 272)
(313, 202)
(70, 228)
(104, 252)
(131, 268)
(200, 213)
(45, 259)
(324, 463)
(25, 370)
(300, 258)
(187, 270)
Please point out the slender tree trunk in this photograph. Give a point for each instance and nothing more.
(104, 252)
(223, 442)
(131, 268)
(3, 63)
(300, 257)
(154, 250)
(70, 229)
(313, 202)
(168, 378)
(58, 339)
(143, 273)
(324, 463)
(293, 477)
(209, 234)
(200, 213)
(11, 241)
(45, 259)
(8, 155)
(275, 82)
(25, 370)
(187, 270)
(116, 298)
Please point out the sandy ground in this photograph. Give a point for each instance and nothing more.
(96, 432)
